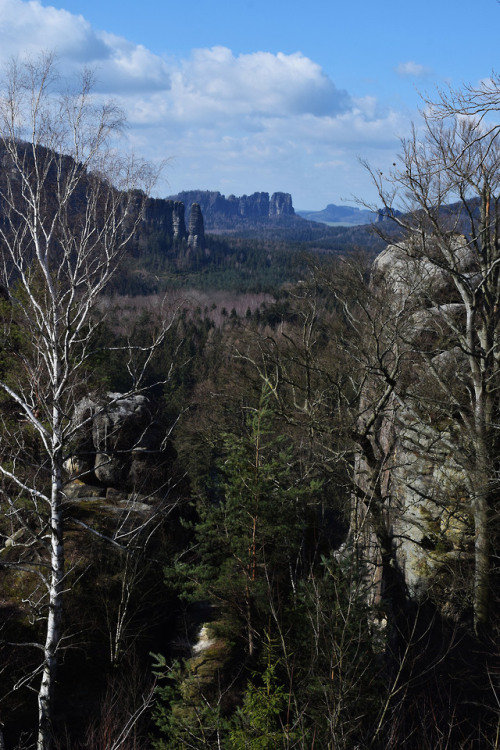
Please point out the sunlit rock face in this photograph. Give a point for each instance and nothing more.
(403, 271)
(426, 506)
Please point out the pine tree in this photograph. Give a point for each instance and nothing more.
(249, 541)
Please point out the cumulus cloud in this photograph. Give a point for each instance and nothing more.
(235, 123)
(214, 87)
(263, 82)
(412, 69)
(27, 28)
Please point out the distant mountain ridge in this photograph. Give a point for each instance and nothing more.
(333, 214)
(220, 212)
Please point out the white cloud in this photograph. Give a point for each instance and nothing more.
(263, 82)
(27, 28)
(215, 88)
(130, 68)
(235, 123)
(412, 69)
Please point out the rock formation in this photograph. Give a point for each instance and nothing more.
(281, 204)
(217, 208)
(426, 506)
(196, 233)
(119, 445)
(178, 221)
(167, 219)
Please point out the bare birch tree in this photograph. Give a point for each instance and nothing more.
(68, 208)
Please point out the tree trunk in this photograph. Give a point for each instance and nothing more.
(54, 619)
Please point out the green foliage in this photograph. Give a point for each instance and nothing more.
(249, 533)
(184, 719)
(262, 720)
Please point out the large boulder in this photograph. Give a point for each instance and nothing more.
(118, 442)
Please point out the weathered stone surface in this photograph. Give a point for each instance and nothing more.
(281, 205)
(196, 233)
(400, 270)
(254, 206)
(427, 508)
(178, 221)
(81, 463)
(121, 424)
(121, 444)
(80, 467)
(216, 207)
(78, 490)
(109, 470)
(159, 215)
(164, 221)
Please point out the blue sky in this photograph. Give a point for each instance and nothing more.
(246, 95)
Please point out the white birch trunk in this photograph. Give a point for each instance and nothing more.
(54, 150)
(55, 610)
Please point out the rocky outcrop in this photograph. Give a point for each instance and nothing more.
(196, 234)
(118, 444)
(425, 500)
(218, 209)
(281, 205)
(165, 216)
(178, 220)
(402, 270)
(165, 219)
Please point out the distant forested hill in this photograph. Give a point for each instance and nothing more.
(333, 214)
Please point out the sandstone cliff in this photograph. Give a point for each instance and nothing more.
(165, 219)
(196, 233)
(413, 479)
(221, 212)
(119, 447)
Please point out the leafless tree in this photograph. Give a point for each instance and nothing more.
(447, 183)
(69, 207)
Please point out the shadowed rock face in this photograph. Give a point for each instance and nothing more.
(178, 221)
(253, 206)
(281, 204)
(196, 234)
(216, 208)
(166, 216)
(118, 444)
